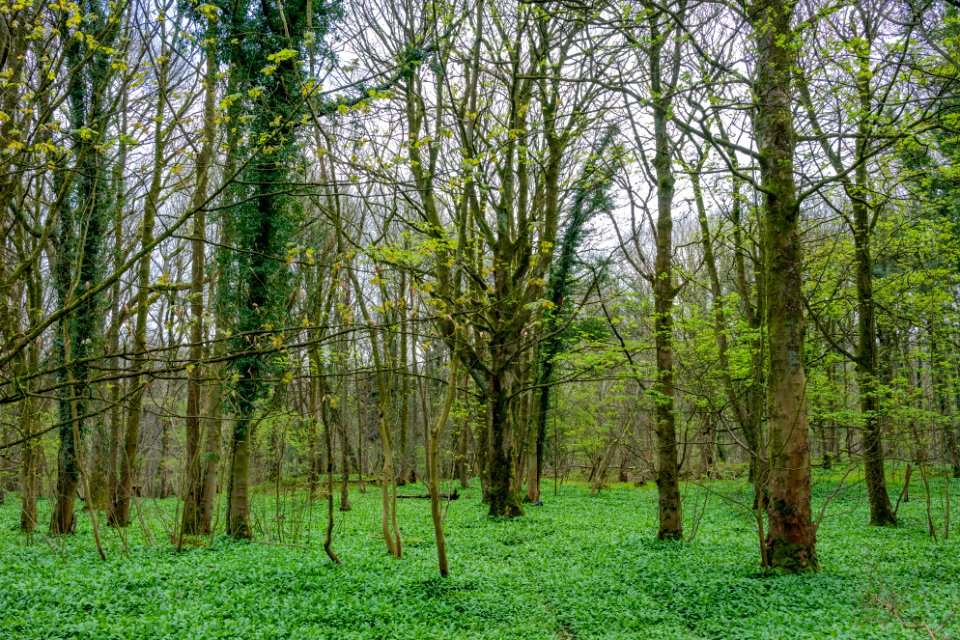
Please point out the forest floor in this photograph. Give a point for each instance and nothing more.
(577, 567)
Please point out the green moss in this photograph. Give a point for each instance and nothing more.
(789, 557)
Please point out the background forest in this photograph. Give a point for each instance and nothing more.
(690, 268)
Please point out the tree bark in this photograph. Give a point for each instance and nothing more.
(238, 504)
(195, 518)
(502, 496)
(791, 536)
(120, 514)
(664, 292)
(433, 468)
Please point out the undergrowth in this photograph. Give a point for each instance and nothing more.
(577, 567)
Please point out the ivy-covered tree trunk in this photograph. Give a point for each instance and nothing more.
(81, 201)
(791, 538)
(263, 45)
(590, 198)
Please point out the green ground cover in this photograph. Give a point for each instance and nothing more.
(578, 567)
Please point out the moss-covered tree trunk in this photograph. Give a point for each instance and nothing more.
(664, 292)
(791, 539)
(503, 496)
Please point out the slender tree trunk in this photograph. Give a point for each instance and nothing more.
(388, 487)
(858, 192)
(113, 334)
(329, 415)
(211, 464)
(433, 468)
(881, 511)
(28, 471)
(939, 380)
(26, 364)
(719, 329)
(341, 364)
(313, 455)
(535, 449)
(195, 520)
(753, 313)
(121, 508)
(955, 423)
(463, 446)
(404, 384)
(344, 467)
(668, 470)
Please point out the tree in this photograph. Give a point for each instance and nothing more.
(591, 197)
(120, 510)
(791, 539)
(196, 512)
(82, 198)
(262, 45)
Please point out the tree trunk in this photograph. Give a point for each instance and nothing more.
(433, 468)
(668, 470)
(791, 537)
(939, 380)
(211, 464)
(502, 496)
(753, 313)
(881, 511)
(404, 384)
(329, 413)
(28, 471)
(79, 210)
(120, 514)
(238, 504)
(463, 447)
